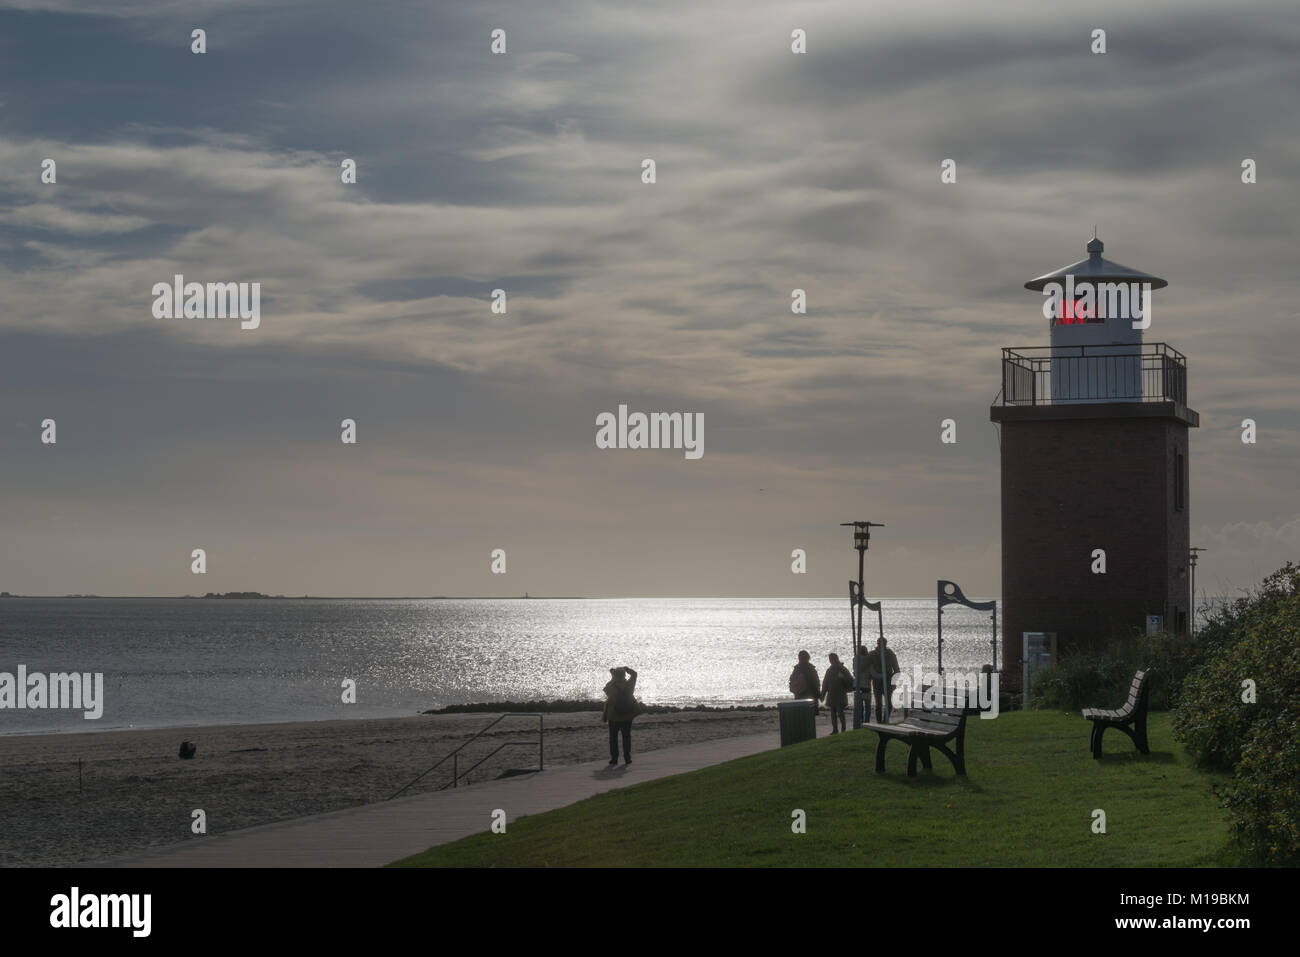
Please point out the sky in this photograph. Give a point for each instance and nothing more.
(523, 171)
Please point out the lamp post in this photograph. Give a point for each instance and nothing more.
(1193, 554)
(861, 541)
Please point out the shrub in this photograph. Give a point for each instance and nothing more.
(1255, 639)
(1263, 796)
(1101, 679)
(1083, 680)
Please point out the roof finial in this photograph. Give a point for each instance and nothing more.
(1094, 230)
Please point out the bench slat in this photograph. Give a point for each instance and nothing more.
(906, 730)
(932, 718)
(939, 729)
(954, 713)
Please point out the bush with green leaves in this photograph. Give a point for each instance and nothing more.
(1083, 680)
(1101, 678)
(1240, 711)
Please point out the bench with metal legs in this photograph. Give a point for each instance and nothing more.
(923, 730)
(1131, 718)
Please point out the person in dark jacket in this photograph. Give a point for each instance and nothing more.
(620, 709)
(880, 684)
(835, 691)
(864, 683)
(810, 685)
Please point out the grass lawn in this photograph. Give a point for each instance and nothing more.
(1028, 801)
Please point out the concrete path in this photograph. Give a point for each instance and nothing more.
(378, 834)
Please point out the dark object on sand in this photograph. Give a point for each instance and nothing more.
(187, 749)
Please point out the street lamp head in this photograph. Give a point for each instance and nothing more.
(862, 533)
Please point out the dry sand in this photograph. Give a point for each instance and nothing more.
(136, 792)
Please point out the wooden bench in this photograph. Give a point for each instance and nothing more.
(923, 730)
(1131, 719)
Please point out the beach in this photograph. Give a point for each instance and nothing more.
(135, 792)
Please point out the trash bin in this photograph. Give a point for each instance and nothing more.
(798, 720)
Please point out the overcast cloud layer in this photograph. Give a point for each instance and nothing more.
(775, 171)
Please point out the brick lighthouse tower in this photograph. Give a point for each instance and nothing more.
(1093, 428)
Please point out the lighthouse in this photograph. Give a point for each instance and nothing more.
(1093, 429)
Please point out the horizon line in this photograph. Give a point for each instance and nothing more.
(262, 597)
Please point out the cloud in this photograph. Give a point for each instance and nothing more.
(522, 172)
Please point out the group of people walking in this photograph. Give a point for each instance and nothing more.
(621, 705)
(835, 685)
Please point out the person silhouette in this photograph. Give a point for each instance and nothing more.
(620, 709)
(880, 683)
(835, 691)
(804, 682)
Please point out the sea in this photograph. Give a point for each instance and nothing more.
(193, 662)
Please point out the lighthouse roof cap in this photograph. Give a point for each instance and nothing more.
(1096, 269)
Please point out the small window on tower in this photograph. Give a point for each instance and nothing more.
(1076, 311)
(1180, 491)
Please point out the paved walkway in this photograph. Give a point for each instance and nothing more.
(378, 834)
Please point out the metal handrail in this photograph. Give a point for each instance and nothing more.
(1095, 349)
(1120, 372)
(456, 774)
(455, 760)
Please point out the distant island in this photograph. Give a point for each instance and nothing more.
(239, 594)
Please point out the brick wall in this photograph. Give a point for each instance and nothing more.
(1070, 486)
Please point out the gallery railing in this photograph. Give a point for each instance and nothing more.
(1056, 375)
